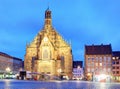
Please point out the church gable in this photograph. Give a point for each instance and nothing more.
(46, 49)
(55, 38)
(46, 42)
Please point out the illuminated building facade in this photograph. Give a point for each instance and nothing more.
(98, 60)
(9, 64)
(116, 66)
(48, 53)
(78, 73)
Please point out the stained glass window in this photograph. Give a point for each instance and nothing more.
(45, 54)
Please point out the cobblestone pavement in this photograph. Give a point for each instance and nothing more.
(19, 84)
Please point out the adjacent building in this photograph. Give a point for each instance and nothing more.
(116, 66)
(49, 53)
(17, 64)
(98, 62)
(9, 64)
(78, 73)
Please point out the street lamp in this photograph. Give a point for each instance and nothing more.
(7, 69)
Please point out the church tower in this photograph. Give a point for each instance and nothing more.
(48, 53)
(48, 19)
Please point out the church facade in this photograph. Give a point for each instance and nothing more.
(49, 53)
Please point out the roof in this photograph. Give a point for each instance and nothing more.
(8, 56)
(77, 63)
(98, 49)
(116, 53)
(15, 58)
(5, 55)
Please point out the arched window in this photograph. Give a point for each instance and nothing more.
(45, 54)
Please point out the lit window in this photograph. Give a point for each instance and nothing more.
(117, 57)
(100, 64)
(113, 58)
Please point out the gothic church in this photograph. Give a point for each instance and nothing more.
(48, 53)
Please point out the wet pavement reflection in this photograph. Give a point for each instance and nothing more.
(23, 84)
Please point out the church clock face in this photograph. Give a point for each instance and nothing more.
(45, 39)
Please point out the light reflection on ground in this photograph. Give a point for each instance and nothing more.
(19, 84)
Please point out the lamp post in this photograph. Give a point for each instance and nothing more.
(7, 71)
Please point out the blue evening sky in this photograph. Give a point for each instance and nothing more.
(84, 22)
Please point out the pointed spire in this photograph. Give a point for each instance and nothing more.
(48, 6)
(47, 9)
